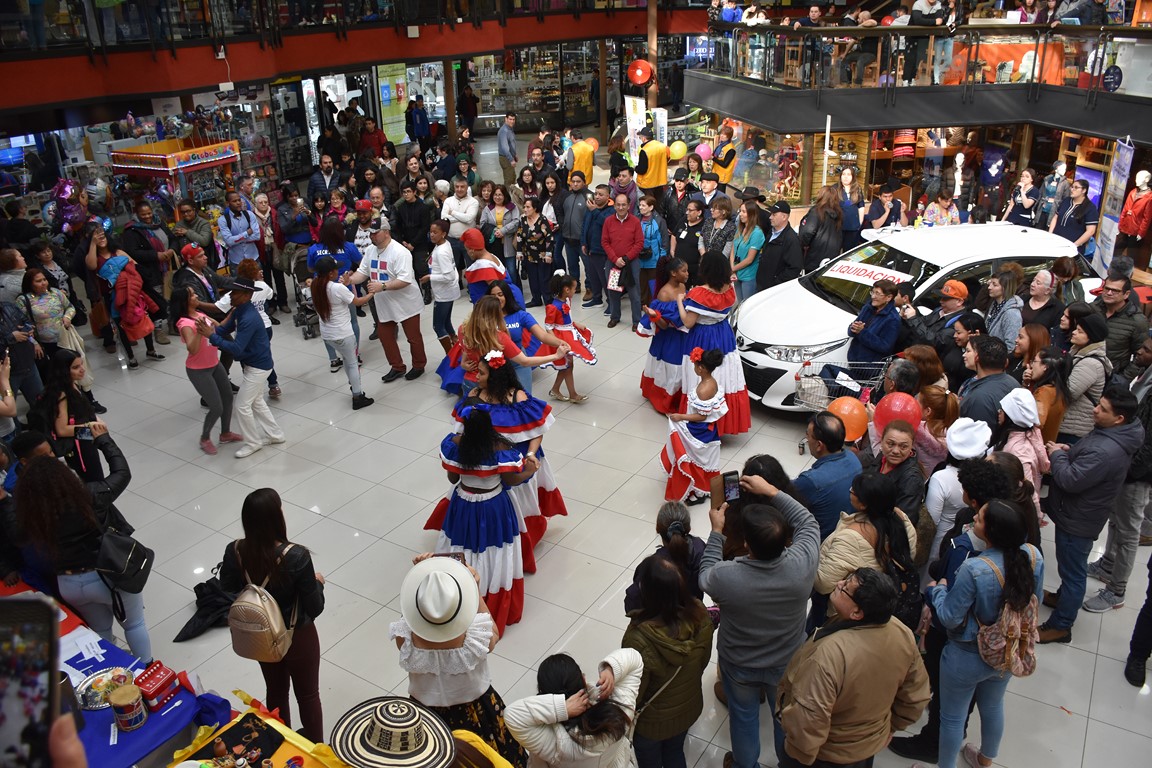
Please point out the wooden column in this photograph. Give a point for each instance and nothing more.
(450, 99)
(653, 46)
(603, 118)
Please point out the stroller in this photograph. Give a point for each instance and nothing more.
(305, 317)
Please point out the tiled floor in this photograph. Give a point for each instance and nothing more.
(358, 487)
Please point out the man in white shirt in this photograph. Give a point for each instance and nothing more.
(388, 264)
(461, 210)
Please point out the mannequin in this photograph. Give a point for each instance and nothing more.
(1053, 190)
(958, 180)
(1134, 220)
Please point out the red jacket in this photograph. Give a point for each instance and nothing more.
(133, 305)
(1136, 214)
(373, 141)
(622, 239)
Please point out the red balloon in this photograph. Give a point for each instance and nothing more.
(640, 72)
(897, 406)
(887, 21)
(854, 415)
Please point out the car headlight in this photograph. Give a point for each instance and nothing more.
(790, 354)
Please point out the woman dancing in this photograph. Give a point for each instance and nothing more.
(661, 381)
(692, 455)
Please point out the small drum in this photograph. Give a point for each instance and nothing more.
(128, 707)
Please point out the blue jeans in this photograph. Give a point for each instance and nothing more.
(572, 258)
(513, 271)
(524, 376)
(745, 289)
(1072, 554)
(942, 60)
(332, 354)
(93, 601)
(742, 686)
(27, 383)
(663, 753)
(442, 319)
(614, 297)
(963, 674)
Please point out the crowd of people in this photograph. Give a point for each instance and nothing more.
(852, 597)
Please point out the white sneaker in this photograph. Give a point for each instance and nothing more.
(247, 450)
(274, 440)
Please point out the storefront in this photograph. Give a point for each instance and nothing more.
(295, 118)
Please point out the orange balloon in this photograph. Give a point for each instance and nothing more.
(854, 415)
(592, 143)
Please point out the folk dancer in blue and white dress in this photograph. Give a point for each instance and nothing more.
(691, 456)
(477, 518)
(663, 377)
(521, 420)
(705, 311)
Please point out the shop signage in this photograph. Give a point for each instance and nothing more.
(1111, 203)
(1113, 77)
(212, 153)
(866, 274)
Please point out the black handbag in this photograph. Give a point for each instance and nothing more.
(488, 229)
(123, 563)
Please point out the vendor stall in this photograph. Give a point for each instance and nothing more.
(195, 170)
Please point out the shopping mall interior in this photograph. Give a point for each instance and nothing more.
(171, 101)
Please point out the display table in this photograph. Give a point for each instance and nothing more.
(307, 754)
(163, 732)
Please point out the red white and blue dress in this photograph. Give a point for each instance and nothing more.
(558, 321)
(481, 272)
(483, 524)
(691, 457)
(713, 331)
(537, 498)
(450, 370)
(662, 378)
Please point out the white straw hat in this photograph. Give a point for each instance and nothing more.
(439, 599)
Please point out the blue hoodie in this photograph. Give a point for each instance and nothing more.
(878, 339)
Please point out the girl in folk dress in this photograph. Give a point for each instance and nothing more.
(521, 420)
(692, 455)
(705, 312)
(662, 377)
(558, 321)
(477, 518)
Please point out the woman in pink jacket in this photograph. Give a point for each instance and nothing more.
(1019, 434)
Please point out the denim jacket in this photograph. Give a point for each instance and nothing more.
(976, 593)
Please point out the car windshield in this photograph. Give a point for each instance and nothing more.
(847, 281)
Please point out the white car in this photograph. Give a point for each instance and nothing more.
(777, 330)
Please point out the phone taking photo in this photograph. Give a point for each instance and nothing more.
(29, 629)
(83, 433)
(731, 486)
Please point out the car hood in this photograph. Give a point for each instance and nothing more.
(791, 315)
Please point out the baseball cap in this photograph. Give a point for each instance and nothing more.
(646, 132)
(473, 239)
(191, 251)
(379, 224)
(680, 175)
(363, 205)
(780, 206)
(954, 289)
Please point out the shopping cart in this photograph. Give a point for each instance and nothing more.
(818, 383)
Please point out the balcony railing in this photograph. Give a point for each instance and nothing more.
(1115, 58)
(68, 26)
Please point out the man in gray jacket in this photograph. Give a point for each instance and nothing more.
(763, 598)
(574, 205)
(1086, 479)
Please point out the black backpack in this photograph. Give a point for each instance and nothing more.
(909, 599)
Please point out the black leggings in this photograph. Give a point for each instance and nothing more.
(148, 343)
(280, 286)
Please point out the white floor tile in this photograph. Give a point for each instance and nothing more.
(357, 487)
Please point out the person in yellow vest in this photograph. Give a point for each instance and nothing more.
(652, 166)
(580, 155)
(724, 157)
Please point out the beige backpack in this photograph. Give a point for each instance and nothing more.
(257, 625)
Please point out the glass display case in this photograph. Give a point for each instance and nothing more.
(523, 80)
